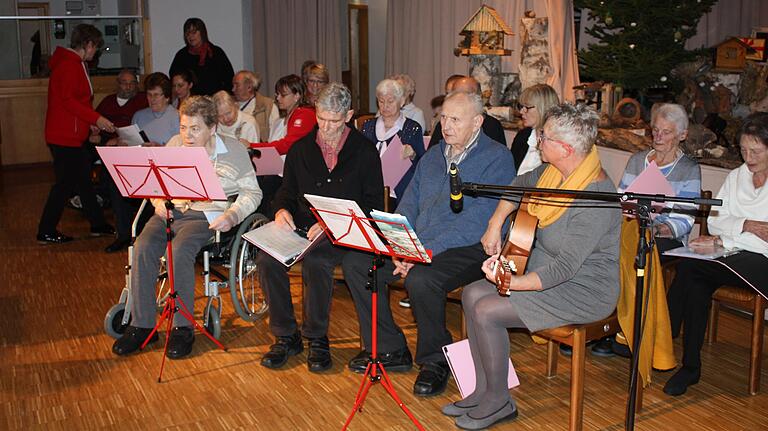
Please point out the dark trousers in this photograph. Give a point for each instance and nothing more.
(427, 286)
(690, 295)
(190, 234)
(72, 168)
(125, 210)
(317, 273)
(269, 185)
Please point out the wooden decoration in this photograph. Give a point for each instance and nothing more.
(484, 34)
(732, 54)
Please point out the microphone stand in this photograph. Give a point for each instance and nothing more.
(643, 213)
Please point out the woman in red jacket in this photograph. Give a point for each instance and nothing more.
(68, 122)
(299, 120)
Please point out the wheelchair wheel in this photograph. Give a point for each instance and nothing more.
(113, 321)
(213, 321)
(247, 296)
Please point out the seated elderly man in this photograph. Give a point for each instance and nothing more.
(233, 122)
(245, 88)
(453, 238)
(467, 84)
(191, 229)
(332, 160)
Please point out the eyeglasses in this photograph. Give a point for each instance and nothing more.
(541, 137)
(316, 81)
(662, 132)
(520, 107)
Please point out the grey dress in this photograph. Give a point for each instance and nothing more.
(577, 260)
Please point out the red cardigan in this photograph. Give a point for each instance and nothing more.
(301, 122)
(69, 100)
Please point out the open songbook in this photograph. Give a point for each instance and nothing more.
(283, 244)
(714, 253)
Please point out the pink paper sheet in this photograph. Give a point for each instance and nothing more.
(270, 162)
(187, 173)
(393, 165)
(463, 367)
(652, 182)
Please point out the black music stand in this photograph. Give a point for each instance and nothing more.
(374, 372)
(165, 173)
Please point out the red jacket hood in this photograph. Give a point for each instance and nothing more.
(61, 56)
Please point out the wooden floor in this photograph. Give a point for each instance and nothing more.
(57, 370)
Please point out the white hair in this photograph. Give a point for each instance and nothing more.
(334, 97)
(474, 99)
(671, 112)
(390, 87)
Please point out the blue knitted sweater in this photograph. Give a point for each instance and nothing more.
(426, 201)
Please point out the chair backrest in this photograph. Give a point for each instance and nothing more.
(387, 200)
(361, 119)
(703, 213)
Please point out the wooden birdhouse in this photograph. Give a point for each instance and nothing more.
(484, 34)
(732, 54)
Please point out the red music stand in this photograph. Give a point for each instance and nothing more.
(166, 173)
(374, 372)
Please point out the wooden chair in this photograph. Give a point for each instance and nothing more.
(746, 300)
(361, 119)
(577, 336)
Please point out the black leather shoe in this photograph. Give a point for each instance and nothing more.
(603, 347)
(103, 230)
(131, 340)
(684, 377)
(319, 356)
(398, 361)
(53, 238)
(180, 342)
(118, 245)
(621, 349)
(432, 379)
(566, 350)
(280, 351)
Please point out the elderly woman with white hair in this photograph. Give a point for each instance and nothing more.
(572, 275)
(669, 126)
(409, 109)
(233, 122)
(391, 122)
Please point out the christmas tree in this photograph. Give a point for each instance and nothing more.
(639, 41)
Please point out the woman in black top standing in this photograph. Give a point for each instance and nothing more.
(207, 61)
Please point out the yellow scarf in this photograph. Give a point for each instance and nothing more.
(550, 209)
(656, 349)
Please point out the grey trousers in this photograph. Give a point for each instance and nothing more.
(427, 287)
(317, 274)
(191, 233)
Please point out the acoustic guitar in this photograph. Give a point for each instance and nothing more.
(514, 256)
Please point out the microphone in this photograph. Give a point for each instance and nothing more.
(457, 198)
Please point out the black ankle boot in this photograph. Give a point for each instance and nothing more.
(319, 357)
(279, 352)
(679, 382)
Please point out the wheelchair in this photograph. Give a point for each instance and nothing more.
(226, 252)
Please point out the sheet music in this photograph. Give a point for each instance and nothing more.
(283, 244)
(400, 235)
(393, 166)
(693, 254)
(342, 227)
(131, 135)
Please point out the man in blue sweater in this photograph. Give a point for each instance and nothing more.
(453, 238)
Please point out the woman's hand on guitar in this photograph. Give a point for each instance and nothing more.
(489, 268)
(491, 241)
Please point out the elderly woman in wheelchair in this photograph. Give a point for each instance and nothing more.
(192, 229)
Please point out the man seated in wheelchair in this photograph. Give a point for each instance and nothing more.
(190, 226)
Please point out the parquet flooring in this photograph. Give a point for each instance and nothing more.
(57, 371)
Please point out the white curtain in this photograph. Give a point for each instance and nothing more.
(729, 18)
(421, 36)
(288, 32)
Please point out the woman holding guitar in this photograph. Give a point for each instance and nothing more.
(572, 274)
